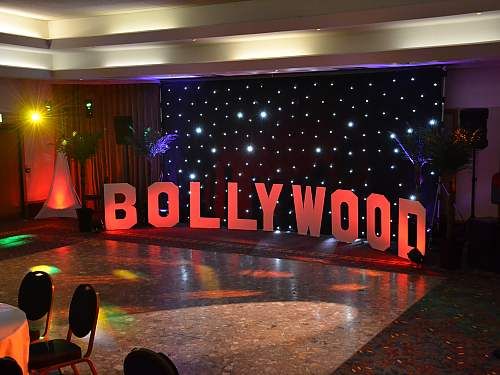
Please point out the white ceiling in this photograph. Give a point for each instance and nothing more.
(58, 9)
(123, 39)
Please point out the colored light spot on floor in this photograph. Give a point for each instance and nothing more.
(16, 241)
(263, 274)
(347, 287)
(366, 272)
(207, 277)
(126, 274)
(51, 270)
(111, 316)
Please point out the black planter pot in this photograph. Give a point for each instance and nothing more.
(84, 219)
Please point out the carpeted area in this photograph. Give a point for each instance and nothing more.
(452, 330)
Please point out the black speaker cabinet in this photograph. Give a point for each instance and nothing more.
(475, 120)
(484, 244)
(124, 129)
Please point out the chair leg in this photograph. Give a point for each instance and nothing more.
(41, 372)
(75, 370)
(92, 367)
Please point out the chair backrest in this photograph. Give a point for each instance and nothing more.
(144, 361)
(83, 310)
(35, 294)
(9, 366)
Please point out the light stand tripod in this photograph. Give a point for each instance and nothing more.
(436, 207)
(473, 187)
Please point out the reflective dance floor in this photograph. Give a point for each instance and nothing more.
(221, 313)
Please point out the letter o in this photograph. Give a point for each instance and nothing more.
(383, 241)
(337, 198)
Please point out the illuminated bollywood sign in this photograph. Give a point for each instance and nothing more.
(308, 212)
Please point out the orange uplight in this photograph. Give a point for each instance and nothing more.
(61, 196)
(62, 199)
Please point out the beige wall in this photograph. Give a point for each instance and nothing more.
(478, 88)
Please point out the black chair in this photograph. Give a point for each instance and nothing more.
(35, 298)
(144, 361)
(9, 366)
(46, 356)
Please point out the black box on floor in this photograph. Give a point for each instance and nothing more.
(484, 244)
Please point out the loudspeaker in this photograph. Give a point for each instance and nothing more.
(124, 129)
(89, 108)
(475, 120)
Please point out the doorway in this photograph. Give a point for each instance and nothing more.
(11, 202)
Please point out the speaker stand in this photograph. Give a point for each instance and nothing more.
(126, 162)
(473, 187)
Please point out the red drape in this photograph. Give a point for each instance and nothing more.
(140, 101)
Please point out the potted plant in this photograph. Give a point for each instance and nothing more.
(450, 152)
(81, 147)
(150, 145)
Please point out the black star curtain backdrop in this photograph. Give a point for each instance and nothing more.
(330, 130)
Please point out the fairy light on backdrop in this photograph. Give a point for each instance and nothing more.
(320, 130)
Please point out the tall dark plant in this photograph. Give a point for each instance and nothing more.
(446, 152)
(80, 147)
(149, 144)
(450, 152)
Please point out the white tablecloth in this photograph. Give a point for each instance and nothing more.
(14, 335)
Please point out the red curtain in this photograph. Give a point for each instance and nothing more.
(112, 161)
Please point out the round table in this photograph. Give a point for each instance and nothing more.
(14, 335)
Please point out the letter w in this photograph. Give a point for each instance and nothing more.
(308, 213)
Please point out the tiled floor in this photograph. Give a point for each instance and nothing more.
(220, 313)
